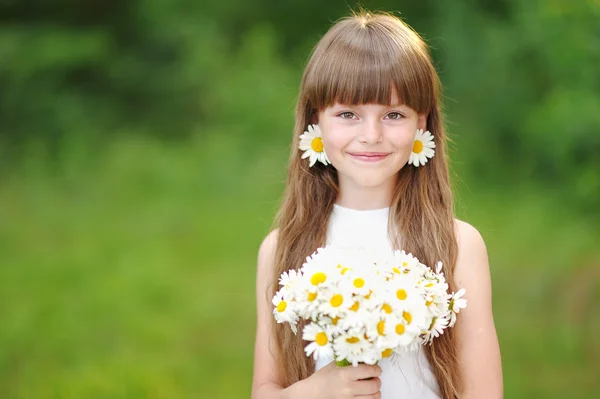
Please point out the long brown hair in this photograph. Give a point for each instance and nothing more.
(361, 60)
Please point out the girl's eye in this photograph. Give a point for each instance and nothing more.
(394, 115)
(346, 115)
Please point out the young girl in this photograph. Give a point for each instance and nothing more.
(369, 167)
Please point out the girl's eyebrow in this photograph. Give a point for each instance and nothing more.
(339, 105)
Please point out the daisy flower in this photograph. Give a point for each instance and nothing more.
(335, 302)
(307, 303)
(359, 316)
(376, 331)
(311, 143)
(403, 291)
(361, 281)
(438, 324)
(398, 332)
(355, 348)
(288, 278)
(320, 270)
(456, 304)
(423, 148)
(284, 311)
(321, 345)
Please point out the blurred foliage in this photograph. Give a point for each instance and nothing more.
(142, 153)
(521, 78)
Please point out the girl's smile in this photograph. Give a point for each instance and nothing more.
(369, 143)
(369, 157)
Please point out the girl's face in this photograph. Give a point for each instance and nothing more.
(368, 144)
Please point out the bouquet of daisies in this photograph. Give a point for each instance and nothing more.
(361, 306)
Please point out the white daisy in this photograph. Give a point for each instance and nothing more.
(403, 291)
(400, 333)
(321, 345)
(423, 148)
(284, 311)
(335, 302)
(361, 281)
(376, 331)
(456, 304)
(438, 324)
(359, 316)
(334, 325)
(288, 278)
(311, 143)
(320, 269)
(355, 348)
(307, 303)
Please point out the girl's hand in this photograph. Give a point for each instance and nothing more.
(333, 382)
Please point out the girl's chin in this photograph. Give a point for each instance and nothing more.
(368, 179)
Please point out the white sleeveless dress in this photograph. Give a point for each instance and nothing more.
(407, 376)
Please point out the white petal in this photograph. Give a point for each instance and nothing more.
(323, 158)
(411, 159)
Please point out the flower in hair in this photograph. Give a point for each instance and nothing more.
(423, 148)
(311, 143)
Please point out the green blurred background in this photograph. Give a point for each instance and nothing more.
(143, 148)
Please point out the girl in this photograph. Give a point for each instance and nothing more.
(369, 167)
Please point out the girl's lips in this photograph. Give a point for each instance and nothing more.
(369, 156)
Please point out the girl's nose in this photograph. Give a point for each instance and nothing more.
(371, 133)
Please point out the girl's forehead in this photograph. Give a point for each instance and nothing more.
(398, 105)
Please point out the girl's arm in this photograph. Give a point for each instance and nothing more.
(478, 348)
(265, 379)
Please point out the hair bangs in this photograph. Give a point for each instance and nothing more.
(365, 65)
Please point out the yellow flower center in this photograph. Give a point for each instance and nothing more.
(336, 300)
(400, 329)
(407, 316)
(354, 307)
(417, 146)
(318, 278)
(312, 296)
(317, 144)
(396, 270)
(352, 340)
(428, 303)
(344, 270)
(401, 294)
(368, 296)
(386, 353)
(321, 338)
(281, 307)
(381, 327)
(359, 282)
(387, 308)
(335, 320)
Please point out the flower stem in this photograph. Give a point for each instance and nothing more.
(342, 363)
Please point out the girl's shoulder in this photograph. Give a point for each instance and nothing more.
(467, 236)
(266, 252)
(472, 270)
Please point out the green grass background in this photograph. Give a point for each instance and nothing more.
(129, 273)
